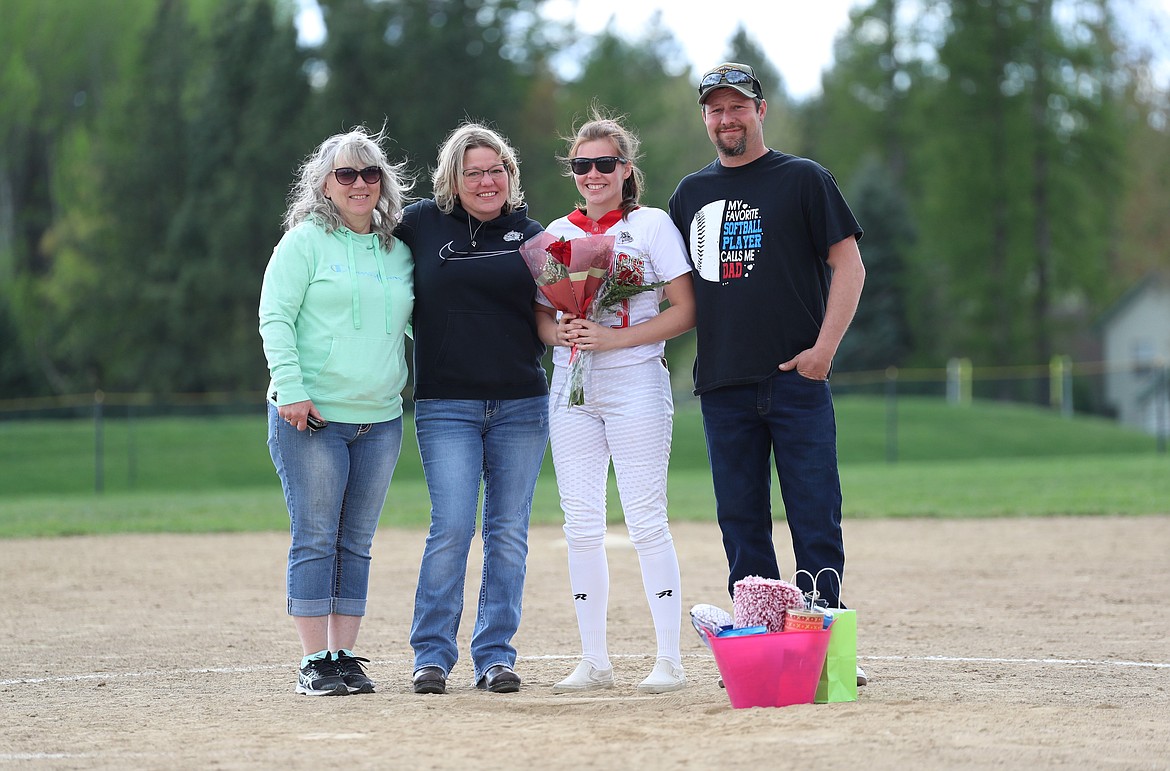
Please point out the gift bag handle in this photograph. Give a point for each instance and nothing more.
(814, 594)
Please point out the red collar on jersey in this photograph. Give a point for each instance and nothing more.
(581, 220)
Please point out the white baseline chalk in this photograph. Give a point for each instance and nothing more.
(563, 657)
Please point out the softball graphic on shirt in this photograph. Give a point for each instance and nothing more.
(705, 240)
(725, 239)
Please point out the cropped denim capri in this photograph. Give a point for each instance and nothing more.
(335, 481)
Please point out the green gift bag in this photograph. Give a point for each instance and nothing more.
(839, 674)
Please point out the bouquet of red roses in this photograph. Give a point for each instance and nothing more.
(584, 277)
(625, 278)
(569, 274)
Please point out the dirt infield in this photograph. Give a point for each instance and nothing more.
(1012, 643)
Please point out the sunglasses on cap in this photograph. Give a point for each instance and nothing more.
(347, 176)
(732, 77)
(605, 164)
(729, 76)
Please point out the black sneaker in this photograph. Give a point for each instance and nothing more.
(322, 677)
(353, 672)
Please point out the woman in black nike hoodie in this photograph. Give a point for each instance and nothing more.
(481, 401)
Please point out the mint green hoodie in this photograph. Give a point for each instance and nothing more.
(334, 311)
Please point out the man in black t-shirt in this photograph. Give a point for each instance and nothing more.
(773, 249)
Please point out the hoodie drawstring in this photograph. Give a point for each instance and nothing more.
(385, 280)
(353, 281)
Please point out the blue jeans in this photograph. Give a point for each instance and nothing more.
(791, 417)
(335, 482)
(463, 442)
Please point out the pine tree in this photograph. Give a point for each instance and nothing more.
(880, 335)
(246, 139)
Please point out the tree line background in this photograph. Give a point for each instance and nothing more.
(1006, 158)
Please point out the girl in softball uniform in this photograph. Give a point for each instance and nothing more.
(628, 410)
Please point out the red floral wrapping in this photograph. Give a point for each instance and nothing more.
(569, 274)
(584, 277)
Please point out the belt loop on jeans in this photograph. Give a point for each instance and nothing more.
(764, 395)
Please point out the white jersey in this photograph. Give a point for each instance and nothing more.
(648, 238)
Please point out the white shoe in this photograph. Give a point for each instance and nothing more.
(861, 678)
(586, 677)
(665, 677)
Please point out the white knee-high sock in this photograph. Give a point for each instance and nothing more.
(660, 578)
(589, 579)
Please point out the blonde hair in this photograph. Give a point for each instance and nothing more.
(601, 126)
(307, 201)
(449, 172)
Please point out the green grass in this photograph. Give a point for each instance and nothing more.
(214, 474)
(1084, 484)
(145, 454)
(931, 429)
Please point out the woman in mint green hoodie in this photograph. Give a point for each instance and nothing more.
(334, 308)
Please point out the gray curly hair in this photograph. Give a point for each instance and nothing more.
(307, 201)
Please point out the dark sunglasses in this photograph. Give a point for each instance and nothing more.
(731, 77)
(347, 176)
(605, 164)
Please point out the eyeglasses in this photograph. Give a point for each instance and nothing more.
(347, 176)
(474, 176)
(741, 80)
(732, 77)
(605, 164)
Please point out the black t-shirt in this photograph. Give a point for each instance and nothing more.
(474, 325)
(758, 238)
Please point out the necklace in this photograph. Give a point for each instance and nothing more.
(472, 233)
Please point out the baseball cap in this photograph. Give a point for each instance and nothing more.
(731, 75)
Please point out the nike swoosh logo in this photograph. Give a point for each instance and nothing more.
(447, 252)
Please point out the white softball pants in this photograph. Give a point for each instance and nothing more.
(627, 419)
